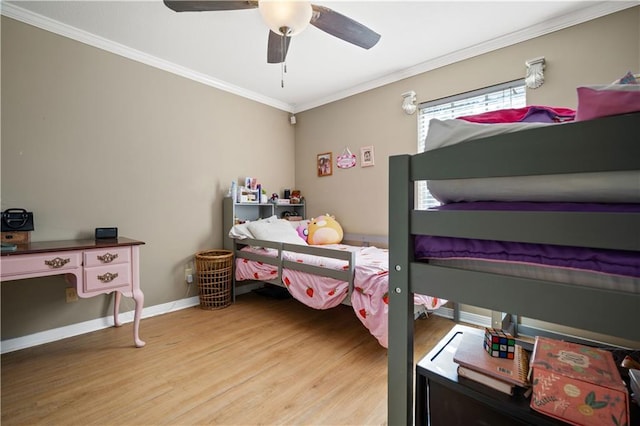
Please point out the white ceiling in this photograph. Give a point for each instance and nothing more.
(228, 49)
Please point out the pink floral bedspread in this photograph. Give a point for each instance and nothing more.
(370, 298)
(312, 290)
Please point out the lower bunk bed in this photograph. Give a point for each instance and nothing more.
(325, 276)
(594, 298)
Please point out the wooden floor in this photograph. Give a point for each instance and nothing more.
(259, 361)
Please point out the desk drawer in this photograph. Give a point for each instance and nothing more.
(35, 263)
(107, 256)
(107, 277)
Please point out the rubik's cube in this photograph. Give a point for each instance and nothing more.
(499, 344)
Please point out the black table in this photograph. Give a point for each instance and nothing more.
(444, 399)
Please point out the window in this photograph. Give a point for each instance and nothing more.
(507, 95)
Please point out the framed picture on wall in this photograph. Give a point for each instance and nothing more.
(324, 164)
(366, 156)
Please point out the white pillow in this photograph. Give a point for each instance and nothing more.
(279, 230)
(241, 230)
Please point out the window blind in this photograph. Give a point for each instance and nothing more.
(507, 95)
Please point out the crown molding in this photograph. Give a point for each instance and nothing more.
(12, 11)
(596, 11)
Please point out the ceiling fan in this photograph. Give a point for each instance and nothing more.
(287, 18)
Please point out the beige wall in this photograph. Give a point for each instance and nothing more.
(92, 139)
(595, 52)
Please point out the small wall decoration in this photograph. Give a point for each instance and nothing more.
(346, 160)
(366, 156)
(324, 164)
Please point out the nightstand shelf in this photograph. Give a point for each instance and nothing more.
(441, 398)
(233, 211)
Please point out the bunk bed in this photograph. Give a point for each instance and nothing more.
(602, 145)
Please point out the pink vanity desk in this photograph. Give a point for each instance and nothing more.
(96, 267)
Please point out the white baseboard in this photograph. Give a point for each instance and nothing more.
(60, 333)
(467, 317)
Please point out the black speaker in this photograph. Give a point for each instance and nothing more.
(17, 220)
(106, 233)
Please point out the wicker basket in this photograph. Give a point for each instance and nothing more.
(214, 269)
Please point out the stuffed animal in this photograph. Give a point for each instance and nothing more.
(324, 230)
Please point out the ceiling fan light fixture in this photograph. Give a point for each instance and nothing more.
(286, 17)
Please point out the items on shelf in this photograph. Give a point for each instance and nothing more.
(9, 247)
(502, 374)
(17, 225)
(253, 192)
(291, 215)
(499, 343)
(250, 192)
(486, 380)
(577, 384)
(235, 213)
(16, 237)
(290, 197)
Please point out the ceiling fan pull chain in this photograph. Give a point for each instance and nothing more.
(283, 71)
(283, 64)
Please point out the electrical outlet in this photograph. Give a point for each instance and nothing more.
(188, 274)
(71, 294)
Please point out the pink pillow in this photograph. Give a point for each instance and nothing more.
(601, 101)
(303, 230)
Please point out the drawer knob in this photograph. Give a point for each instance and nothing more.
(57, 262)
(107, 257)
(108, 277)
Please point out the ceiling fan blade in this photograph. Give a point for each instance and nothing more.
(209, 5)
(342, 27)
(277, 48)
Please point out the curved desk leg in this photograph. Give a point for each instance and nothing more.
(138, 296)
(116, 308)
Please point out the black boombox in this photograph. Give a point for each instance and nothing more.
(14, 220)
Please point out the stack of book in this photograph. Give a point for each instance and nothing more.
(504, 375)
(9, 247)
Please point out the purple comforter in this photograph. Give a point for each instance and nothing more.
(617, 262)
